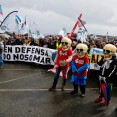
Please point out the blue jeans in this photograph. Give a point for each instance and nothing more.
(58, 70)
(1, 60)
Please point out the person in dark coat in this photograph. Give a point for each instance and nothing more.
(108, 69)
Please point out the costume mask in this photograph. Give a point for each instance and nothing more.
(109, 50)
(66, 43)
(81, 50)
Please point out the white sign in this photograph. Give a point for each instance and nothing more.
(34, 54)
(95, 56)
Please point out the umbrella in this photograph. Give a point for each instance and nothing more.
(107, 93)
(103, 89)
(106, 90)
(110, 89)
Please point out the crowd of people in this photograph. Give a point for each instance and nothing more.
(54, 42)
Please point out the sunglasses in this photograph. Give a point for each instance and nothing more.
(64, 43)
(79, 50)
(106, 51)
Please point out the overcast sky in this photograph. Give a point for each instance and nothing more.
(49, 16)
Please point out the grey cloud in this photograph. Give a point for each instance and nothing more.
(98, 12)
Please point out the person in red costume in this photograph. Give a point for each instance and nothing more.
(63, 57)
(79, 66)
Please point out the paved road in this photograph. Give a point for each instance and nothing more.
(24, 93)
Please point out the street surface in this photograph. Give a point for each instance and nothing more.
(24, 93)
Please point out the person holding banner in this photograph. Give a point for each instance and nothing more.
(1, 60)
(79, 66)
(63, 57)
(108, 69)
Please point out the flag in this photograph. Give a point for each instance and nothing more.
(18, 24)
(81, 23)
(94, 37)
(1, 15)
(25, 21)
(25, 27)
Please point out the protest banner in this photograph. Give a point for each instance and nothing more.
(96, 54)
(44, 56)
(34, 54)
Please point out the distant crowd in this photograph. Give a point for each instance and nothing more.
(54, 42)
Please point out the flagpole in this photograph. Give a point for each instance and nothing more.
(75, 25)
(7, 16)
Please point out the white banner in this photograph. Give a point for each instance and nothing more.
(34, 54)
(44, 56)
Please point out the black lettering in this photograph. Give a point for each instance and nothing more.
(5, 49)
(36, 58)
(93, 58)
(8, 57)
(9, 49)
(97, 58)
(42, 51)
(21, 57)
(48, 60)
(46, 53)
(26, 57)
(33, 49)
(30, 57)
(16, 56)
(42, 60)
(23, 49)
(17, 49)
(28, 49)
(37, 51)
